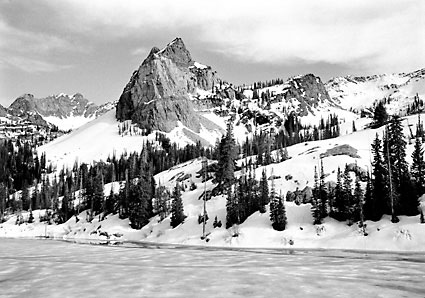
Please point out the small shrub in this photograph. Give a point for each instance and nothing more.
(201, 218)
(217, 223)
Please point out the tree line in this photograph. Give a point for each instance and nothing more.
(392, 187)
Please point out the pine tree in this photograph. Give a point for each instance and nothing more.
(368, 199)
(162, 197)
(177, 212)
(225, 176)
(404, 199)
(25, 196)
(338, 207)
(123, 197)
(315, 200)
(64, 210)
(97, 195)
(380, 115)
(380, 194)
(347, 193)
(278, 214)
(55, 197)
(138, 205)
(3, 199)
(264, 192)
(277, 210)
(232, 208)
(356, 212)
(418, 167)
(323, 193)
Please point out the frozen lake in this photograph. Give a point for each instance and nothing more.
(45, 268)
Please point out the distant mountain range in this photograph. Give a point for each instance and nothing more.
(172, 93)
(62, 110)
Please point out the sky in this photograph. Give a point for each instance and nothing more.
(92, 47)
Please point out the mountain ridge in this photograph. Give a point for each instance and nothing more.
(62, 110)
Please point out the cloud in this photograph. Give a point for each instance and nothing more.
(140, 51)
(32, 65)
(33, 52)
(383, 35)
(374, 33)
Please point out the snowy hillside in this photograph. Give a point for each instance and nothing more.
(362, 92)
(100, 139)
(290, 175)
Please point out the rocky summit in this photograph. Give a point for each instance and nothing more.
(160, 93)
(3, 111)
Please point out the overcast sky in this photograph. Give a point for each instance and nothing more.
(93, 46)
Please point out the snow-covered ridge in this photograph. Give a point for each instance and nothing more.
(62, 110)
(357, 93)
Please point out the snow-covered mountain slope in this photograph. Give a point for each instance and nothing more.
(93, 141)
(357, 93)
(62, 110)
(100, 139)
(290, 175)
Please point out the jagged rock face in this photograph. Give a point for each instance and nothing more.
(309, 90)
(60, 106)
(164, 114)
(3, 111)
(158, 93)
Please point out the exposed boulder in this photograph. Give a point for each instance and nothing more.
(300, 196)
(341, 150)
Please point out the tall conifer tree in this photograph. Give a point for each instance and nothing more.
(177, 211)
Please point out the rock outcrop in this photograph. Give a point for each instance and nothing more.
(158, 95)
(308, 90)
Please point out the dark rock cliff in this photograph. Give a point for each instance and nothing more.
(158, 95)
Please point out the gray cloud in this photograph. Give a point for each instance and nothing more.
(330, 31)
(110, 37)
(32, 65)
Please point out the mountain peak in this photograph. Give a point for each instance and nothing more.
(159, 94)
(177, 52)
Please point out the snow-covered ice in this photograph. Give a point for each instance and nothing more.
(44, 268)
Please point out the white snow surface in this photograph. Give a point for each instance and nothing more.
(256, 231)
(68, 123)
(199, 65)
(93, 141)
(354, 93)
